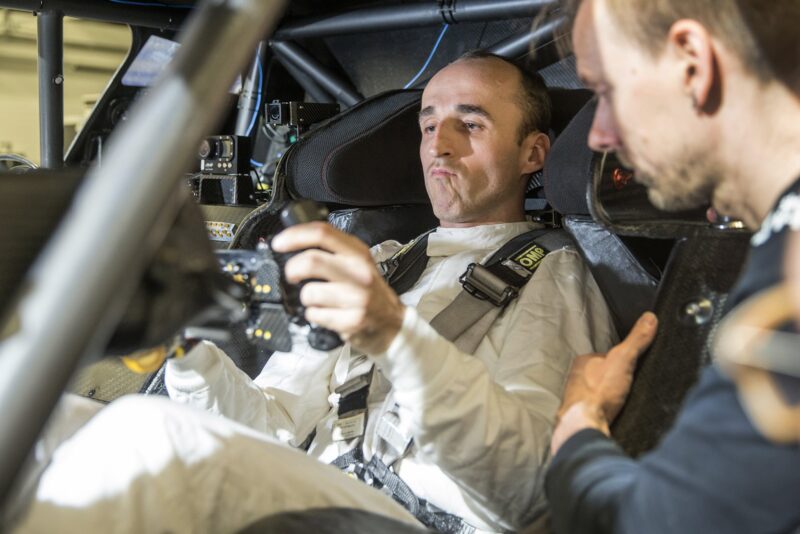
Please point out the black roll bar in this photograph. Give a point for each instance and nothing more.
(50, 37)
(385, 18)
(519, 45)
(165, 18)
(317, 93)
(291, 53)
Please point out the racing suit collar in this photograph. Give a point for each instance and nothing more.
(450, 241)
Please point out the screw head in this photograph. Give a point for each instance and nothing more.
(698, 312)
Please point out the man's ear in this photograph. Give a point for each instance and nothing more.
(693, 47)
(535, 147)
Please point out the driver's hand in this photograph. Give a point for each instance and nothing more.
(352, 299)
(598, 384)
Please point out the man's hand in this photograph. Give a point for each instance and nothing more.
(354, 300)
(598, 384)
(792, 269)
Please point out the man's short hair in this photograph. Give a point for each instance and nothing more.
(763, 34)
(534, 100)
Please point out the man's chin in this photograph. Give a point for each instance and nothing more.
(668, 202)
(640, 176)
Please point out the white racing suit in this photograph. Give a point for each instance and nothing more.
(481, 423)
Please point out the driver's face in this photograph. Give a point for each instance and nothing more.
(473, 160)
(643, 113)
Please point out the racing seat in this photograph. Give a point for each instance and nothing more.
(622, 237)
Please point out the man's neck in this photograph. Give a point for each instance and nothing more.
(763, 150)
(498, 216)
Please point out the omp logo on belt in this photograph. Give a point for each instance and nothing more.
(531, 257)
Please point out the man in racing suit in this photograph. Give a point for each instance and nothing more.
(477, 426)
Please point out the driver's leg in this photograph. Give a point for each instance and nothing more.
(69, 415)
(148, 464)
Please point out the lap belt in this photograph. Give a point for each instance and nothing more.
(380, 476)
(488, 289)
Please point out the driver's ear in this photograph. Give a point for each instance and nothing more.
(534, 151)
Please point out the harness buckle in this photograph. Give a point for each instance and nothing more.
(356, 469)
(482, 284)
(388, 267)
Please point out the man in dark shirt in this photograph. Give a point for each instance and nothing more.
(702, 99)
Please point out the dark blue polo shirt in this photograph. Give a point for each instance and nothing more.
(713, 472)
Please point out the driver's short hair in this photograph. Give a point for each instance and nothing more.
(534, 100)
(762, 33)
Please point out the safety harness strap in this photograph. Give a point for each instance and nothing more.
(405, 267)
(378, 475)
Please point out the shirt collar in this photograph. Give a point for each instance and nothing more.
(451, 241)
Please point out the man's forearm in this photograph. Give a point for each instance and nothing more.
(587, 482)
(590, 475)
(285, 401)
(207, 379)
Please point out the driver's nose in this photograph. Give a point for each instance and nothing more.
(441, 143)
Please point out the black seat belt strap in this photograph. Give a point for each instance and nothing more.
(403, 269)
(378, 475)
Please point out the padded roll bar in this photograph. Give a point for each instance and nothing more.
(317, 93)
(79, 286)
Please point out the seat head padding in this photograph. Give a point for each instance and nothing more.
(566, 104)
(570, 164)
(366, 156)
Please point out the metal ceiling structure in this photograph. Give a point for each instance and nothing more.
(317, 79)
